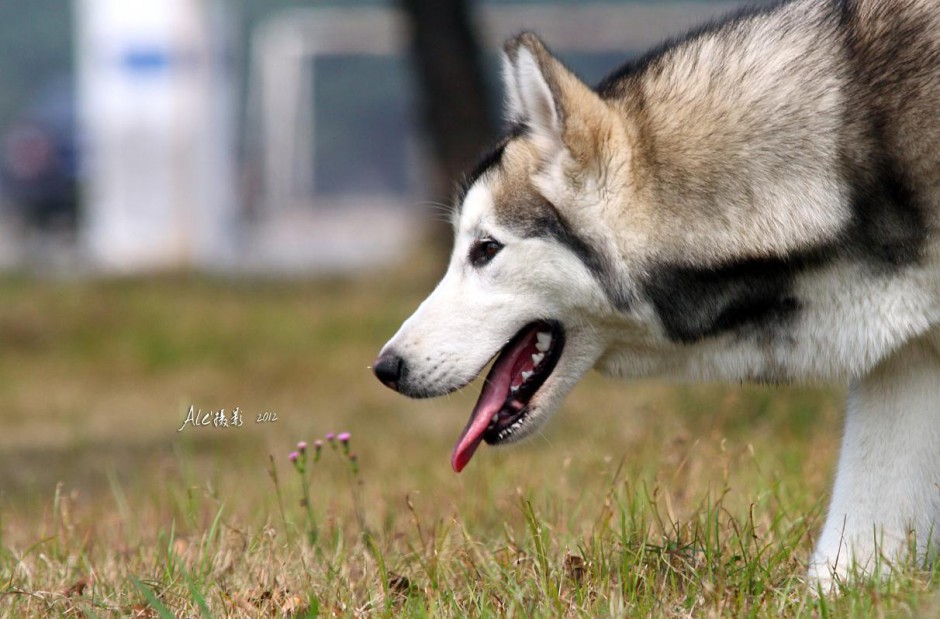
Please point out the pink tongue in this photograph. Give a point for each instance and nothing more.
(494, 394)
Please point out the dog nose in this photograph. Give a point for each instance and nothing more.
(389, 368)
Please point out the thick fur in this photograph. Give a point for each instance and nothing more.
(757, 201)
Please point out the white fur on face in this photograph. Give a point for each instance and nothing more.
(475, 311)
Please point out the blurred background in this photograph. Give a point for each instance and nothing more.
(274, 137)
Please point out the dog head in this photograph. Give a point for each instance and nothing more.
(536, 278)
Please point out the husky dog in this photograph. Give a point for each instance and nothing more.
(757, 201)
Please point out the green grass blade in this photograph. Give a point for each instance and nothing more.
(152, 599)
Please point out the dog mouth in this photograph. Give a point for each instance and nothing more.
(520, 370)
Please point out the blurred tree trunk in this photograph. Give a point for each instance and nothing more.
(452, 95)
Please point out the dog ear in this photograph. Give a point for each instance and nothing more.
(557, 109)
(532, 89)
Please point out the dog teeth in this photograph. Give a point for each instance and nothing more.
(495, 418)
(544, 341)
(537, 359)
(514, 389)
(526, 375)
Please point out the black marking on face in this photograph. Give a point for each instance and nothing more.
(536, 217)
(490, 160)
(558, 228)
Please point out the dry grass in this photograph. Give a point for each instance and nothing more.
(639, 499)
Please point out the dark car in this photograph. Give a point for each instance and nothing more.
(39, 159)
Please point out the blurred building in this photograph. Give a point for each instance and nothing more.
(291, 148)
(155, 103)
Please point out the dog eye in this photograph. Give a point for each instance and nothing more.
(483, 251)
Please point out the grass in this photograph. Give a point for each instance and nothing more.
(640, 499)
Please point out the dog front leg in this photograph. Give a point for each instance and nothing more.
(886, 498)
